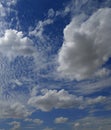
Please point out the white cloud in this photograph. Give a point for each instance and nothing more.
(60, 120)
(51, 13)
(13, 43)
(63, 13)
(3, 14)
(11, 2)
(85, 48)
(16, 125)
(74, 7)
(2, 11)
(5, 7)
(99, 99)
(62, 99)
(17, 82)
(34, 91)
(53, 99)
(38, 31)
(15, 110)
(88, 87)
(76, 124)
(91, 123)
(36, 121)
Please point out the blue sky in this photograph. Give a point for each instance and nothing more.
(55, 65)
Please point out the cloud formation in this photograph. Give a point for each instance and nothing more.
(86, 46)
(13, 43)
(6, 9)
(91, 123)
(62, 100)
(60, 120)
(86, 88)
(51, 13)
(16, 125)
(15, 110)
(38, 31)
(35, 121)
(54, 99)
(2, 11)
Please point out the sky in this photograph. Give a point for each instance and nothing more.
(55, 65)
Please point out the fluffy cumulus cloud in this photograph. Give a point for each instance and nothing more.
(54, 99)
(60, 120)
(62, 99)
(13, 43)
(86, 46)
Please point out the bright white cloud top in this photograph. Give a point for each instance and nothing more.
(13, 43)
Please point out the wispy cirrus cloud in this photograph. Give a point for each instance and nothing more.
(90, 87)
(38, 31)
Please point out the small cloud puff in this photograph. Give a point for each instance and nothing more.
(60, 120)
